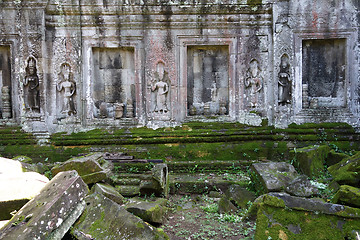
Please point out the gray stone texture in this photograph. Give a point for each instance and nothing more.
(242, 61)
(272, 176)
(52, 212)
(301, 187)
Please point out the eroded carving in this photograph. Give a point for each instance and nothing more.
(113, 85)
(31, 85)
(284, 81)
(324, 65)
(253, 82)
(161, 88)
(208, 80)
(67, 86)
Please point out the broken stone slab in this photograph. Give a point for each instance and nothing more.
(347, 195)
(149, 211)
(240, 196)
(17, 187)
(346, 171)
(301, 187)
(159, 183)
(105, 219)
(281, 216)
(109, 192)
(310, 160)
(87, 167)
(52, 212)
(272, 176)
(226, 206)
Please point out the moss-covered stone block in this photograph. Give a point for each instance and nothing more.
(310, 160)
(347, 171)
(271, 176)
(87, 167)
(50, 214)
(283, 217)
(149, 211)
(128, 190)
(335, 157)
(109, 192)
(347, 195)
(104, 219)
(226, 206)
(240, 196)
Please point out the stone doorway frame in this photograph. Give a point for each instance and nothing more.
(350, 79)
(199, 40)
(134, 42)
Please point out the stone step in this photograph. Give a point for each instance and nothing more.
(189, 166)
(204, 183)
(210, 166)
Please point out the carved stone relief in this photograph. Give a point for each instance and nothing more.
(284, 81)
(67, 89)
(31, 86)
(113, 83)
(160, 87)
(253, 83)
(208, 80)
(323, 75)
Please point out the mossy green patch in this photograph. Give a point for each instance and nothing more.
(311, 160)
(283, 223)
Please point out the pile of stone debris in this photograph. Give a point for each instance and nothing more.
(66, 206)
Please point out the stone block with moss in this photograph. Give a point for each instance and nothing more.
(87, 167)
(347, 195)
(310, 160)
(240, 196)
(347, 171)
(150, 211)
(109, 192)
(104, 219)
(50, 214)
(281, 216)
(335, 157)
(271, 176)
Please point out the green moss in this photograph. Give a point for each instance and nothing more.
(140, 225)
(161, 234)
(98, 224)
(275, 222)
(253, 2)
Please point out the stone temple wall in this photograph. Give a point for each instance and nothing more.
(71, 65)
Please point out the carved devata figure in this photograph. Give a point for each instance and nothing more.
(161, 88)
(68, 86)
(31, 83)
(253, 82)
(284, 81)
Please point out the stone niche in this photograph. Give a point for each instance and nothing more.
(5, 83)
(323, 73)
(113, 84)
(207, 80)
